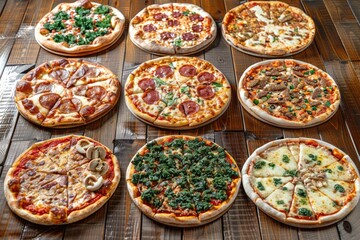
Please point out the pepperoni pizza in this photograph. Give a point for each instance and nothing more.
(66, 92)
(61, 180)
(172, 28)
(176, 92)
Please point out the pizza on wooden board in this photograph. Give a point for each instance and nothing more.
(66, 93)
(79, 27)
(174, 92)
(302, 182)
(61, 180)
(173, 28)
(288, 93)
(268, 28)
(183, 181)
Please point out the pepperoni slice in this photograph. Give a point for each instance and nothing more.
(167, 35)
(63, 74)
(151, 97)
(205, 92)
(146, 84)
(80, 90)
(206, 77)
(77, 103)
(43, 87)
(187, 70)
(29, 105)
(88, 110)
(176, 14)
(92, 72)
(197, 28)
(66, 106)
(173, 23)
(23, 86)
(163, 71)
(160, 16)
(96, 92)
(188, 36)
(61, 62)
(196, 17)
(48, 100)
(189, 107)
(149, 28)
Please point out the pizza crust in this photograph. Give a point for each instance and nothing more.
(170, 218)
(118, 20)
(262, 115)
(280, 216)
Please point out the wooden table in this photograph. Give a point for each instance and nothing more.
(336, 49)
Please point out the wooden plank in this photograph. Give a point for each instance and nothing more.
(205, 232)
(123, 219)
(347, 26)
(355, 7)
(241, 221)
(215, 8)
(2, 5)
(326, 38)
(11, 226)
(26, 49)
(271, 229)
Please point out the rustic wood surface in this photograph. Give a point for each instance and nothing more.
(336, 49)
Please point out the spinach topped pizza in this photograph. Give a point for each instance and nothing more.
(183, 181)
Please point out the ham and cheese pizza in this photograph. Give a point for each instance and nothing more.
(302, 182)
(173, 28)
(66, 93)
(268, 28)
(79, 28)
(174, 92)
(183, 181)
(61, 180)
(288, 93)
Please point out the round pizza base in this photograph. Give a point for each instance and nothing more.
(182, 224)
(252, 113)
(183, 54)
(181, 127)
(300, 223)
(94, 50)
(77, 215)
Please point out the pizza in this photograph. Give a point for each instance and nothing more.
(172, 28)
(183, 181)
(79, 28)
(288, 93)
(66, 93)
(302, 182)
(268, 28)
(61, 180)
(174, 92)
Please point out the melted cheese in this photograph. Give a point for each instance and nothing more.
(281, 198)
(269, 169)
(265, 186)
(339, 171)
(282, 157)
(300, 202)
(320, 203)
(321, 156)
(332, 191)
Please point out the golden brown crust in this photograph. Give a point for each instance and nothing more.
(173, 219)
(117, 23)
(321, 221)
(50, 218)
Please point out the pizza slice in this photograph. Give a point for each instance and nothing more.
(261, 11)
(264, 168)
(265, 186)
(37, 107)
(276, 9)
(64, 112)
(281, 198)
(256, 43)
(321, 204)
(315, 156)
(340, 170)
(281, 156)
(339, 191)
(294, 149)
(62, 70)
(300, 206)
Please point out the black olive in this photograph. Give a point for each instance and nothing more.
(251, 77)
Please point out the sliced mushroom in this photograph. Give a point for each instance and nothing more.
(92, 183)
(94, 163)
(44, 31)
(89, 152)
(100, 151)
(83, 145)
(96, 152)
(98, 165)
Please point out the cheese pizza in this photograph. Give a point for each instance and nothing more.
(302, 182)
(173, 28)
(79, 28)
(174, 92)
(61, 180)
(288, 93)
(183, 181)
(268, 28)
(66, 93)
